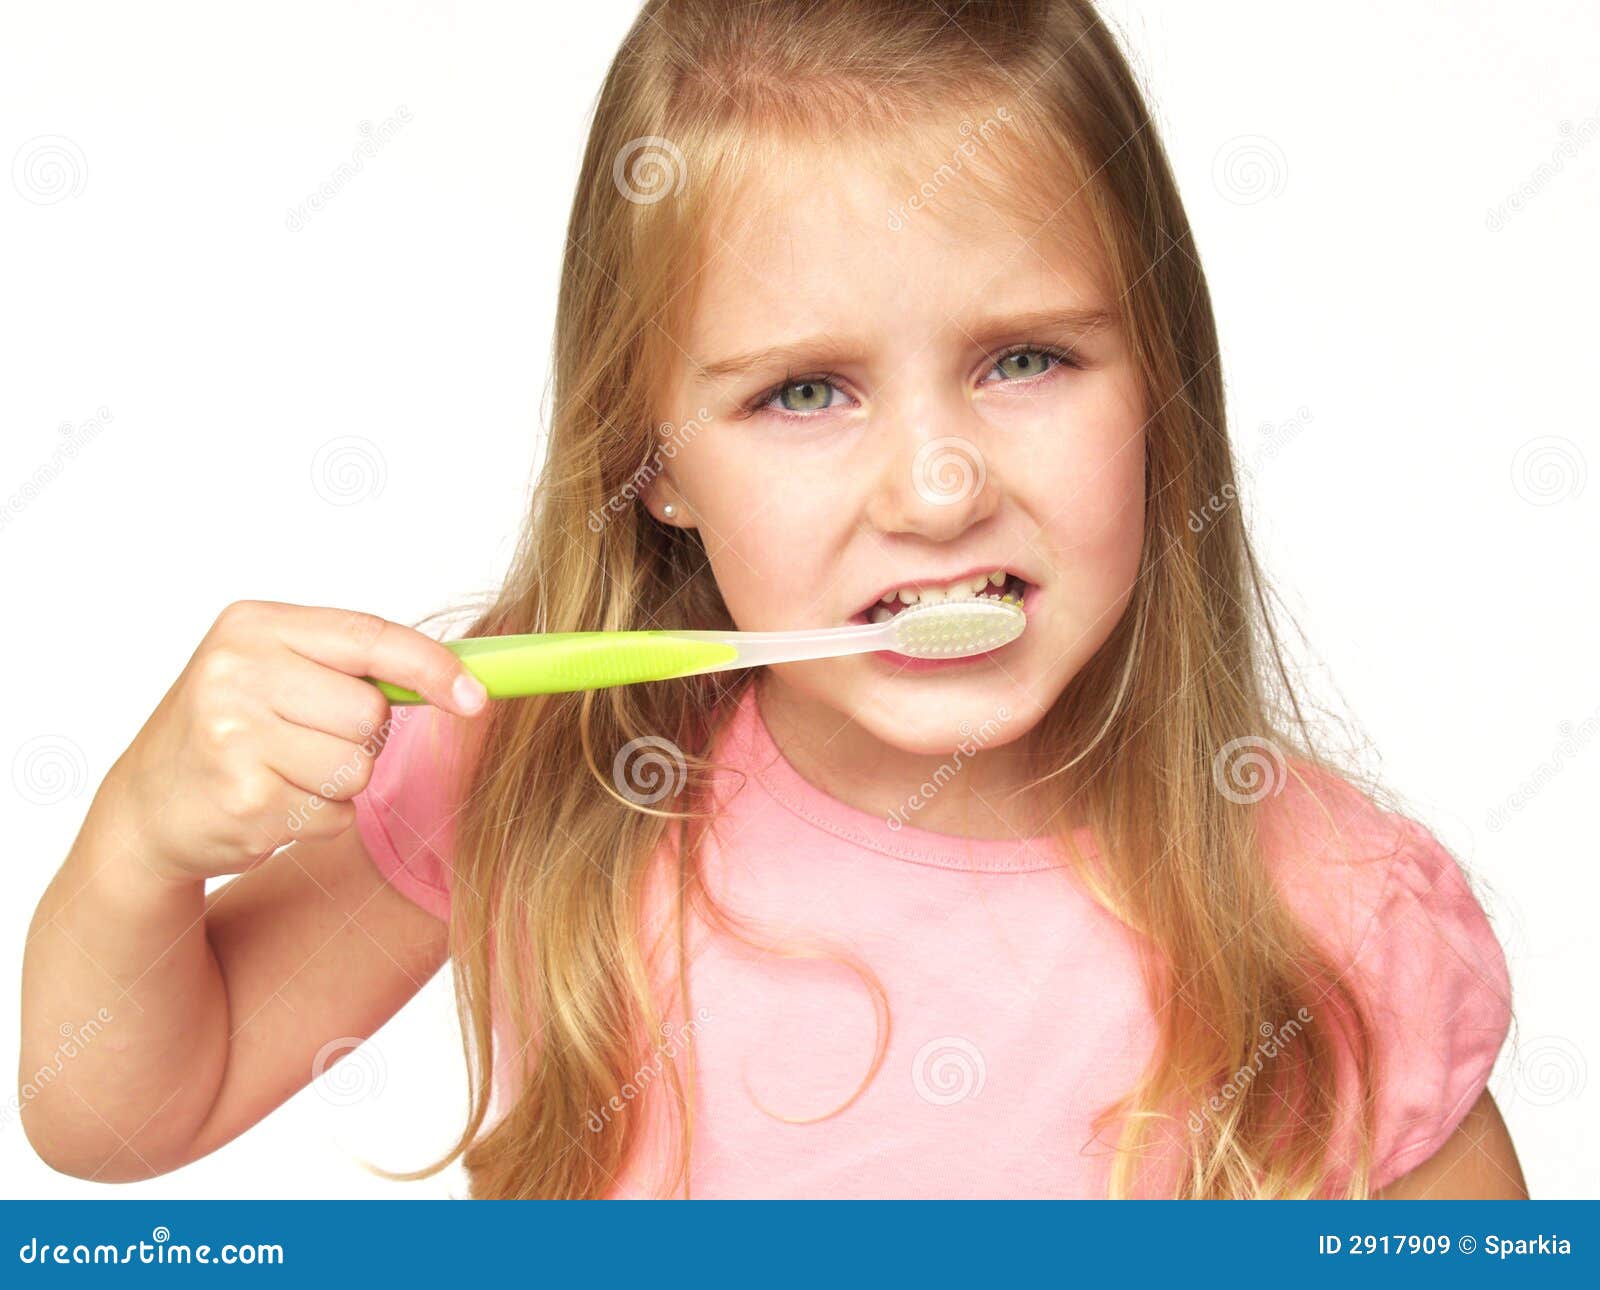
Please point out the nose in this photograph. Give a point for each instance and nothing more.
(933, 477)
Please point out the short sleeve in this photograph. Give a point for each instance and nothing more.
(406, 813)
(1394, 909)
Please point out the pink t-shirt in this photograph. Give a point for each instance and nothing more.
(1015, 1002)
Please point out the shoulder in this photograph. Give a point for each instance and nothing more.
(406, 813)
(1393, 910)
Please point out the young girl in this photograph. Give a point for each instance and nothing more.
(865, 302)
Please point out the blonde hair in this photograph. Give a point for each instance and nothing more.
(552, 865)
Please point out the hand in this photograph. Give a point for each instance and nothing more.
(269, 731)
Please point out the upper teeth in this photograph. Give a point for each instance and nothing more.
(958, 590)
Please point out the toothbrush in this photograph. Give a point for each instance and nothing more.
(511, 666)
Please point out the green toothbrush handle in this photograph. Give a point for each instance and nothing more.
(550, 663)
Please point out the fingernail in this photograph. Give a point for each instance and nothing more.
(469, 692)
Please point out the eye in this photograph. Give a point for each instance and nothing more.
(808, 394)
(1029, 364)
(801, 396)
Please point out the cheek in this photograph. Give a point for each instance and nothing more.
(770, 535)
(1081, 469)
(1096, 511)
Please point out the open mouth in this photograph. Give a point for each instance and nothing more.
(999, 584)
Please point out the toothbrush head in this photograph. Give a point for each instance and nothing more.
(956, 628)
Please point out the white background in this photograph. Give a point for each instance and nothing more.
(1411, 387)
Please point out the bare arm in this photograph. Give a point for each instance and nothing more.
(218, 1006)
(158, 1023)
(1477, 1163)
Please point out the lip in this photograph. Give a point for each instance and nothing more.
(941, 580)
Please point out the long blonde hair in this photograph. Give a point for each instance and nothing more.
(551, 860)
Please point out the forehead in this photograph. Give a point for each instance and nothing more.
(832, 231)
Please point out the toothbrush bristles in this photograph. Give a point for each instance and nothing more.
(957, 628)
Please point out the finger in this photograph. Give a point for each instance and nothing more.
(323, 698)
(366, 645)
(300, 815)
(307, 815)
(317, 763)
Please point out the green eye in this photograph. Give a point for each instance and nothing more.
(1025, 363)
(805, 396)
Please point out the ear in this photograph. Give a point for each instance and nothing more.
(658, 495)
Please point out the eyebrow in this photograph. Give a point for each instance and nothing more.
(825, 348)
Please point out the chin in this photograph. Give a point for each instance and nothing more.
(952, 721)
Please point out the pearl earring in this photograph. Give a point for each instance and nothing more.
(669, 510)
